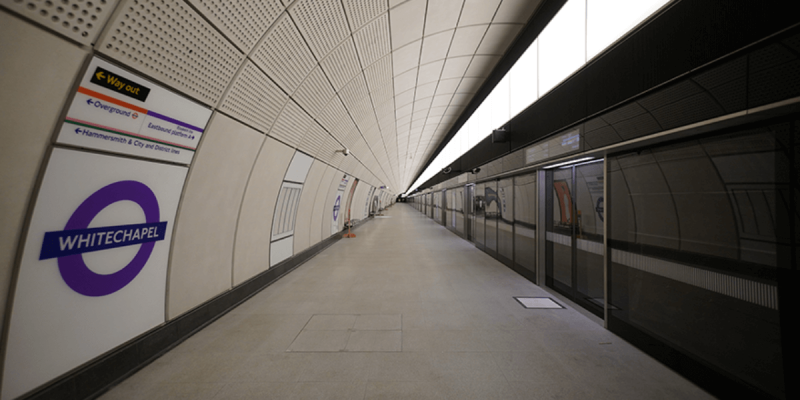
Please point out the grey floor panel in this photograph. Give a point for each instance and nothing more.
(406, 310)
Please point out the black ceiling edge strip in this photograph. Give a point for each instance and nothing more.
(536, 24)
(769, 27)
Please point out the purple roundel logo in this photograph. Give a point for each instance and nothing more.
(77, 238)
(336, 207)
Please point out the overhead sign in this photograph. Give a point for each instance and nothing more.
(110, 80)
(117, 111)
(94, 266)
(562, 144)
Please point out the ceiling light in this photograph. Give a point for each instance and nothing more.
(568, 162)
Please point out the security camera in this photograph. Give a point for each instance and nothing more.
(446, 170)
(476, 170)
(346, 152)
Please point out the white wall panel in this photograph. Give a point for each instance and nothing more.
(442, 15)
(406, 21)
(280, 250)
(328, 227)
(318, 216)
(304, 222)
(253, 233)
(203, 244)
(52, 63)
(298, 169)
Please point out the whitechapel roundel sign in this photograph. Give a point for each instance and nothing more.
(77, 238)
(93, 273)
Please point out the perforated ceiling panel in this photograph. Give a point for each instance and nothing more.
(314, 92)
(333, 112)
(241, 21)
(291, 124)
(284, 55)
(359, 12)
(320, 75)
(328, 151)
(78, 20)
(322, 22)
(313, 139)
(254, 98)
(372, 41)
(341, 65)
(168, 40)
(379, 74)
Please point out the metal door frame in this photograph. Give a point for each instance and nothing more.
(469, 211)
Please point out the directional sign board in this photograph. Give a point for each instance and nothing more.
(562, 144)
(117, 111)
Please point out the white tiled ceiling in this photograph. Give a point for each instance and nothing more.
(386, 78)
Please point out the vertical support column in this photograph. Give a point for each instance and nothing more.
(541, 187)
(575, 221)
(788, 277)
(606, 251)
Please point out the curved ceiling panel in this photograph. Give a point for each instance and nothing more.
(384, 78)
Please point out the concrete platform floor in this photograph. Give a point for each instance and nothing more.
(406, 310)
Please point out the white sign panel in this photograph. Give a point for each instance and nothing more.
(563, 144)
(119, 112)
(337, 205)
(94, 266)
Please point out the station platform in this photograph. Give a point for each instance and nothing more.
(405, 310)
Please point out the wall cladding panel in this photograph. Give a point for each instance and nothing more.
(206, 224)
(53, 63)
(304, 222)
(318, 215)
(252, 252)
(328, 199)
(169, 41)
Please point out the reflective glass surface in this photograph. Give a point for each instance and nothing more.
(525, 221)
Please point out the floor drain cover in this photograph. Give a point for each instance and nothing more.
(538, 302)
